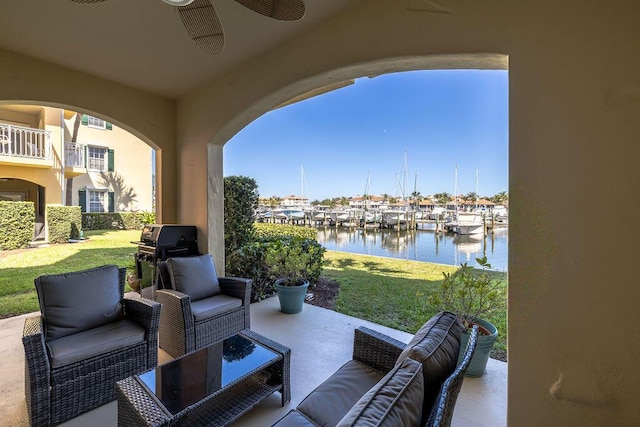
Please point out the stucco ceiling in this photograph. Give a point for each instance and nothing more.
(143, 43)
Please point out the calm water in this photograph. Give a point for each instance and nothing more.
(419, 245)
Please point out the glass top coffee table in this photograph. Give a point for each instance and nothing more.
(212, 386)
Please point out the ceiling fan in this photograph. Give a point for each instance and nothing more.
(201, 21)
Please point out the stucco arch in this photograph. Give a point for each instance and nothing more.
(151, 118)
(215, 191)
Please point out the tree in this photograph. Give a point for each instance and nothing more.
(502, 198)
(442, 198)
(417, 198)
(240, 204)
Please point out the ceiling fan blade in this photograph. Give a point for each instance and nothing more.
(282, 10)
(202, 24)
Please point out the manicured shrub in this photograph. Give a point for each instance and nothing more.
(64, 223)
(117, 221)
(17, 222)
(265, 230)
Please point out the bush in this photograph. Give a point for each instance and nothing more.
(266, 231)
(64, 223)
(240, 203)
(117, 221)
(251, 261)
(20, 218)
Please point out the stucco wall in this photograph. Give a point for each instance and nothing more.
(149, 117)
(574, 74)
(574, 104)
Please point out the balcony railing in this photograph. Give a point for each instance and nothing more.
(18, 141)
(74, 155)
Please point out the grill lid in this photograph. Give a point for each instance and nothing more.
(168, 235)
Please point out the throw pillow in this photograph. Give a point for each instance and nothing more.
(396, 400)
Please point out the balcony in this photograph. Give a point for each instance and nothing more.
(74, 159)
(22, 146)
(320, 340)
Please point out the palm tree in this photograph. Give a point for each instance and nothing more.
(417, 198)
(442, 198)
(502, 198)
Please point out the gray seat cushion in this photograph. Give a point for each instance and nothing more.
(103, 339)
(195, 276)
(331, 401)
(294, 419)
(212, 306)
(78, 301)
(436, 345)
(396, 400)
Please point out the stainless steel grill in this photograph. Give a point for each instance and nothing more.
(157, 243)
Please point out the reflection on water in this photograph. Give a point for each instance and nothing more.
(420, 245)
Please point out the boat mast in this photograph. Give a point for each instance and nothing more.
(455, 190)
(476, 189)
(302, 182)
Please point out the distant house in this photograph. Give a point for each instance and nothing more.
(295, 201)
(106, 169)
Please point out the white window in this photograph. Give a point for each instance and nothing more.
(97, 156)
(96, 122)
(97, 200)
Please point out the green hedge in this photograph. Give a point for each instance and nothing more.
(117, 221)
(17, 220)
(64, 223)
(250, 261)
(265, 230)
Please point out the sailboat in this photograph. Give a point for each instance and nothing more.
(468, 223)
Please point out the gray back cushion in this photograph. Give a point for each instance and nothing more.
(195, 276)
(396, 400)
(436, 345)
(78, 301)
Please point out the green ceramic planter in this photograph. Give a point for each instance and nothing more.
(291, 297)
(480, 358)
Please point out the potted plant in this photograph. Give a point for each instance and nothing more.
(473, 294)
(288, 265)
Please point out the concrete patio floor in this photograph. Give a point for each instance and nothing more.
(320, 341)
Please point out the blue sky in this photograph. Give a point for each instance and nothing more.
(440, 119)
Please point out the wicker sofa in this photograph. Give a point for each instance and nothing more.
(87, 337)
(389, 383)
(198, 307)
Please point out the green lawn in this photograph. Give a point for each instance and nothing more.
(19, 268)
(391, 292)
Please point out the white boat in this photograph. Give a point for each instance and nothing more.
(289, 214)
(468, 223)
(394, 217)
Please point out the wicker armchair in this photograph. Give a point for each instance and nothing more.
(87, 337)
(198, 307)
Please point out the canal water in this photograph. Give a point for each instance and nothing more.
(420, 245)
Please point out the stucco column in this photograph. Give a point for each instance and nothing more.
(215, 206)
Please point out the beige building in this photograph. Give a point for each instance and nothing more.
(102, 169)
(574, 121)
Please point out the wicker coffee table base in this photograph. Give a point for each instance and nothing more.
(136, 407)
